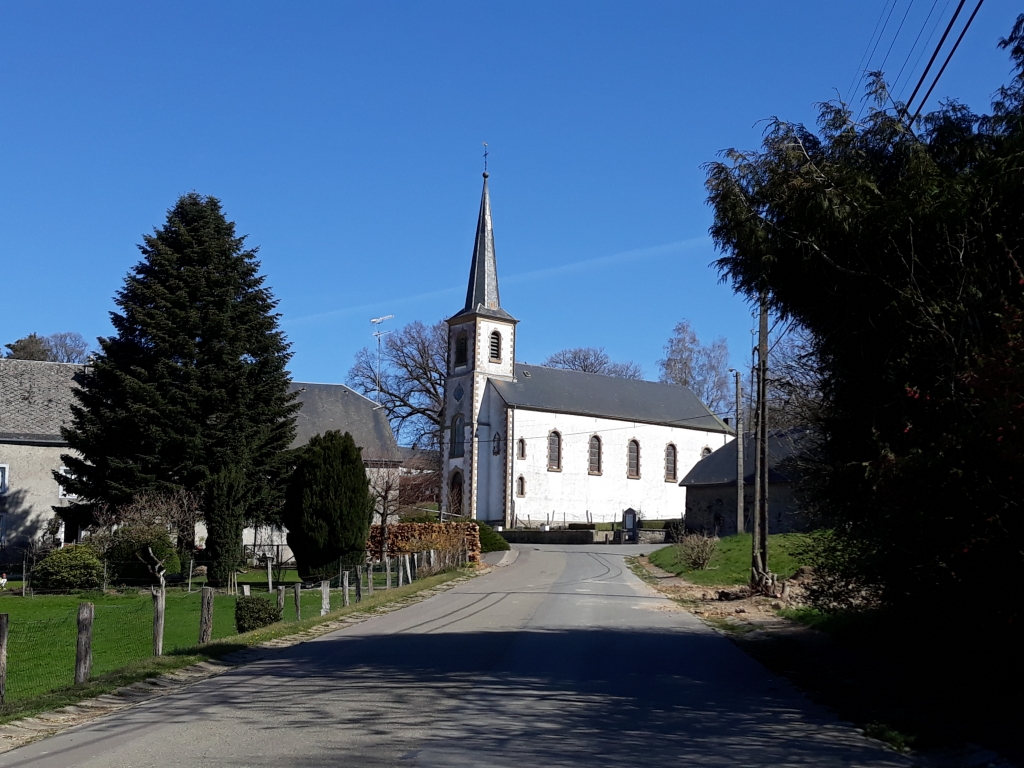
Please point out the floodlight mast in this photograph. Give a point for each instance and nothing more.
(378, 334)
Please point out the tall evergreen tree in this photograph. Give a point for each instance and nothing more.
(327, 508)
(192, 384)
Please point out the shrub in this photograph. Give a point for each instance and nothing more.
(696, 550)
(122, 558)
(75, 567)
(675, 530)
(255, 612)
(490, 540)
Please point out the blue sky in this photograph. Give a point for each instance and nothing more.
(345, 140)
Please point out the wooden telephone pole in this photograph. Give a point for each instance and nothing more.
(739, 453)
(761, 578)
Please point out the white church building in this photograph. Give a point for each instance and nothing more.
(525, 444)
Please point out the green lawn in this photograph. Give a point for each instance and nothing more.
(43, 631)
(730, 564)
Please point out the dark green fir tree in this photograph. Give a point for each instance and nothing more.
(192, 385)
(327, 506)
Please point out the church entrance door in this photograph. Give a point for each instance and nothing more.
(455, 495)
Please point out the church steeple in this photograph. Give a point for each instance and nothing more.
(482, 292)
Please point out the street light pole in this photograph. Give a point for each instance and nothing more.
(379, 334)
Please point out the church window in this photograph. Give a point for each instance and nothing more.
(521, 448)
(595, 455)
(457, 448)
(633, 467)
(521, 486)
(455, 494)
(495, 347)
(670, 463)
(554, 452)
(705, 452)
(461, 349)
(496, 444)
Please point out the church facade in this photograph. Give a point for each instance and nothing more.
(527, 444)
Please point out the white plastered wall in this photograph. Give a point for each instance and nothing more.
(571, 493)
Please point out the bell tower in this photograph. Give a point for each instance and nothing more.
(481, 346)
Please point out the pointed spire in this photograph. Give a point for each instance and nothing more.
(483, 274)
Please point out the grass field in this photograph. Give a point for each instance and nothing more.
(43, 631)
(730, 564)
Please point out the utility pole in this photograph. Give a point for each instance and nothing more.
(760, 576)
(739, 452)
(379, 334)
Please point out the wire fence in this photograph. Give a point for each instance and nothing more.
(43, 632)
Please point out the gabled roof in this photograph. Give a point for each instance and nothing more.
(36, 398)
(720, 467)
(590, 394)
(335, 406)
(482, 292)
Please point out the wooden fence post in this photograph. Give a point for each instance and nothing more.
(408, 569)
(344, 587)
(159, 604)
(191, 567)
(325, 597)
(270, 575)
(387, 572)
(280, 599)
(369, 578)
(298, 602)
(206, 616)
(4, 626)
(400, 574)
(359, 584)
(83, 651)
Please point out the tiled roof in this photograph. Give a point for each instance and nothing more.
(590, 394)
(335, 406)
(784, 448)
(36, 398)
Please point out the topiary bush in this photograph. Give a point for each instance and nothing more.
(490, 540)
(75, 567)
(255, 612)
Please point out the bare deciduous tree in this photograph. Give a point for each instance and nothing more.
(593, 360)
(67, 347)
(413, 366)
(794, 380)
(702, 368)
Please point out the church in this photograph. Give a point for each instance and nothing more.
(526, 444)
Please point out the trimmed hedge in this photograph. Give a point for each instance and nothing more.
(75, 567)
(255, 612)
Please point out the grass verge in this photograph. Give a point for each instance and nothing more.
(730, 564)
(144, 669)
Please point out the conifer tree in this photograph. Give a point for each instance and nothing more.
(327, 506)
(192, 384)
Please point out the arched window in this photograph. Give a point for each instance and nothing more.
(461, 349)
(520, 486)
(455, 494)
(457, 448)
(496, 444)
(705, 452)
(670, 463)
(633, 467)
(521, 448)
(595, 455)
(554, 451)
(495, 347)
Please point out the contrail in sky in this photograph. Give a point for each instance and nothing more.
(522, 277)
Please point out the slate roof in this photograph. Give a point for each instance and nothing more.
(590, 394)
(720, 467)
(335, 406)
(35, 399)
(482, 293)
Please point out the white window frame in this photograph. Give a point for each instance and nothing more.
(61, 493)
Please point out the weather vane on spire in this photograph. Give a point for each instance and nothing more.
(485, 159)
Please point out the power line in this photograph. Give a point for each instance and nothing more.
(896, 36)
(924, 26)
(946, 62)
(935, 54)
(859, 74)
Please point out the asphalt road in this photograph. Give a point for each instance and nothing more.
(563, 658)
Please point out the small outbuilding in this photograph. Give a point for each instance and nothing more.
(711, 486)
